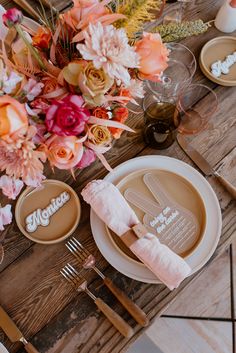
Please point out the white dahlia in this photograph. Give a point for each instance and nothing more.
(109, 49)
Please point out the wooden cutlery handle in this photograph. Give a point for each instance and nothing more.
(227, 185)
(134, 310)
(122, 326)
(30, 348)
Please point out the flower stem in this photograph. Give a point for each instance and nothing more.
(32, 50)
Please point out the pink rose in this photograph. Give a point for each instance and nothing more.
(64, 152)
(10, 187)
(12, 17)
(67, 117)
(88, 158)
(153, 56)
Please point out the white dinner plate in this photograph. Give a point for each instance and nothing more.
(3, 349)
(213, 226)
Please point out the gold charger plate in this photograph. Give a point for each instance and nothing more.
(61, 224)
(214, 50)
(180, 190)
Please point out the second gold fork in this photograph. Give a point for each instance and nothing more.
(80, 284)
(88, 261)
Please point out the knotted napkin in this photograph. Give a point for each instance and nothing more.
(109, 204)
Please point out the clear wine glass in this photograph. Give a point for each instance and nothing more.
(196, 105)
(178, 75)
(161, 120)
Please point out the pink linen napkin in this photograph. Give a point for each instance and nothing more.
(108, 203)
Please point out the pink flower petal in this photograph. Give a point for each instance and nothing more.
(5, 216)
(11, 187)
(77, 100)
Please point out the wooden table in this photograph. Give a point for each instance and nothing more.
(45, 307)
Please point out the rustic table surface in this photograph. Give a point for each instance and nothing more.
(49, 312)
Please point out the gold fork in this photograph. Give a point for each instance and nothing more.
(80, 284)
(88, 261)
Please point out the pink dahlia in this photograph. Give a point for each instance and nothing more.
(67, 117)
(20, 160)
(109, 49)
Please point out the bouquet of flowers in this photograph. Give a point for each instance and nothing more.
(65, 85)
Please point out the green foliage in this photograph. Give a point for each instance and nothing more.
(137, 12)
(176, 31)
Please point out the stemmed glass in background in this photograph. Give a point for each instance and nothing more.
(174, 105)
(196, 104)
(179, 73)
(176, 12)
(188, 113)
(159, 104)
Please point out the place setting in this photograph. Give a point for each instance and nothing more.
(67, 88)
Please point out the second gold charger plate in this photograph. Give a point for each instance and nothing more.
(214, 50)
(48, 214)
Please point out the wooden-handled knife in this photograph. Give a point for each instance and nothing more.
(13, 333)
(202, 164)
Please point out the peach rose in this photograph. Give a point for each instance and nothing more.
(153, 56)
(50, 84)
(64, 152)
(13, 116)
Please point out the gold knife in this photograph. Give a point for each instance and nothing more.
(13, 333)
(202, 164)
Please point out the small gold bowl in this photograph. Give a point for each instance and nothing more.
(214, 50)
(48, 214)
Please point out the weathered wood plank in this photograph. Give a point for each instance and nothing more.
(32, 291)
(217, 300)
(191, 336)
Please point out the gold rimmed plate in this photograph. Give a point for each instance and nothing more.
(48, 214)
(214, 50)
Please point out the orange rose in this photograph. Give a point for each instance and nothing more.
(101, 113)
(153, 56)
(124, 92)
(13, 116)
(50, 84)
(120, 114)
(42, 38)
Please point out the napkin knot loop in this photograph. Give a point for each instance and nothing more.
(133, 234)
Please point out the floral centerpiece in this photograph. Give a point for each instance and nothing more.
(65, 86)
